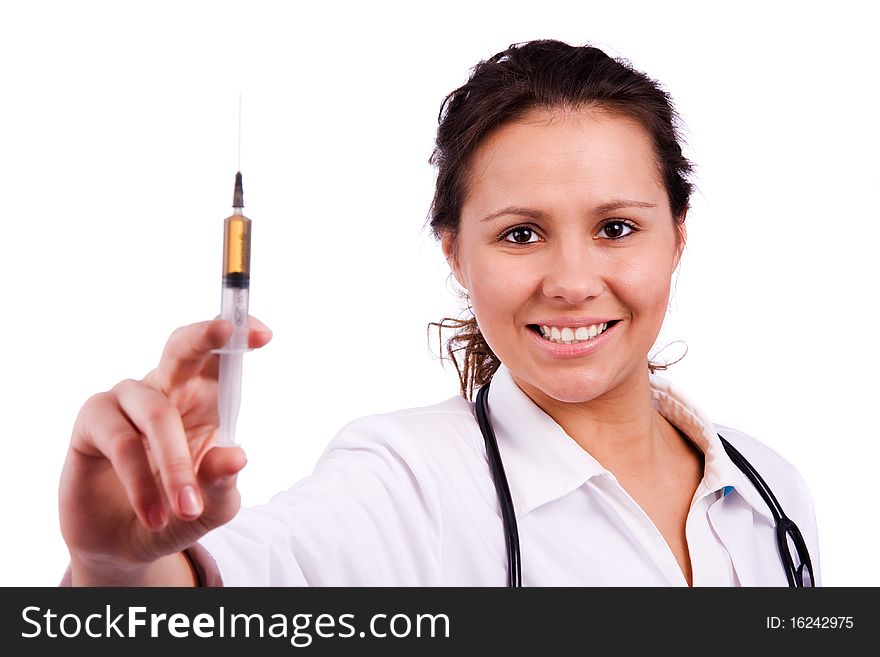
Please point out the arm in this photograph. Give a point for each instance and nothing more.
(369, 515)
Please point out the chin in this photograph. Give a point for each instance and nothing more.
(573, 388)
(575, 394)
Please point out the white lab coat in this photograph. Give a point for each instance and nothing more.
(407, 499)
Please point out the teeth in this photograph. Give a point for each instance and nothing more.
(568, 335)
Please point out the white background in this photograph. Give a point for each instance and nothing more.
(118, 148)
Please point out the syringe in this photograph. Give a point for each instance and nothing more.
(233, 308)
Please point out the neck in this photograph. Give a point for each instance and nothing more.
(620, 429)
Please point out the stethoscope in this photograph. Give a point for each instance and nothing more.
(785, 527)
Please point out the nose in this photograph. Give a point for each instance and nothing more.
(573, 273)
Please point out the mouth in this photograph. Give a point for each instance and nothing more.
(572, 335)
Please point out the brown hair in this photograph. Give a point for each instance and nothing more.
(543, 74)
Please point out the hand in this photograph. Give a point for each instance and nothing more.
(142, 481)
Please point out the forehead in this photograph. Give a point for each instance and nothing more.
(592, 154)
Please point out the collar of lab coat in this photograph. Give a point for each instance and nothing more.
(543, 463)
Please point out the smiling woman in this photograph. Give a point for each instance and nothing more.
(584, 257)
(560, 206)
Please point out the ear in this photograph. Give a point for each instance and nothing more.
(447, 243)
(682, 232)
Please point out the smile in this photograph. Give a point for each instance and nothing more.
(571, 334)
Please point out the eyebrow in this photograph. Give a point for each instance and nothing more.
(610, 206)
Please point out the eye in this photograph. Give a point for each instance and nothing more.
(617, 229)
(520, 235)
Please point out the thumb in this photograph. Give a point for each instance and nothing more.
(218, 475)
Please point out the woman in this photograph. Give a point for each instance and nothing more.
(560, 205)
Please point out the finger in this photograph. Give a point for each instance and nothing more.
(107, 430)
(255, 326)
(258, 333)
(259, 336)
(189, 349)
(220, 462)
(159, 421)
(217, 481)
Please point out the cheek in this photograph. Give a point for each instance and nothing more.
(500, 288)
(643, 286)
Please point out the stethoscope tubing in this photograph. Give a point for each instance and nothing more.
(786, 529)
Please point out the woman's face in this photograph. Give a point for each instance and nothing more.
(567, 225)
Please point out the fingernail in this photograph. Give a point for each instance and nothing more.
(189, 501)
(156, 516)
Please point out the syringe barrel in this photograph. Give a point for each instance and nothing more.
(236, 278)
(228, 398)
(237, 251)
(234, 308)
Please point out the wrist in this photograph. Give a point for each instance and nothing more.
(171, 570)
